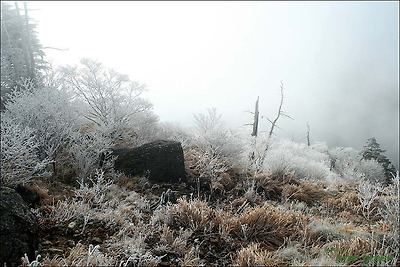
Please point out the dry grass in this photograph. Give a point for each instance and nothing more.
(80, 255)
(269, 187)
(191, 258)
(350, 251)
(322, 261)
(328, 230)
(267, 225)
(251, 224)
(193, 214)
(226, 181)
(347, 205)
(306, 192)
(345, 202)
(253, 255)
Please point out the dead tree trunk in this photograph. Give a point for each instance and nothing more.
(273, 123)
(308, 135)
(255, 124)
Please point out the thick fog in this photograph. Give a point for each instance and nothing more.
(338, 61)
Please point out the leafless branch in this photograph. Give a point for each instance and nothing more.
(278, 115)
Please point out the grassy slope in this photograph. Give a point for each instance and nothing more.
(240, 219)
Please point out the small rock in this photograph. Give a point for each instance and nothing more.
(71, 225)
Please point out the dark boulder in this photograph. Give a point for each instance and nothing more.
(18, 228)
(30, 197)
(161, 160)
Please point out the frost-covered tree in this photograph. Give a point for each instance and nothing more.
(175, 131)
(210, 130)
(373, 151)
(48, 112)
(112, 98)
(19, 152)
(143, 128)
(351, 166)
(214, 138)
(21, 51)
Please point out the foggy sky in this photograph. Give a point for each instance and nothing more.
(338, 60)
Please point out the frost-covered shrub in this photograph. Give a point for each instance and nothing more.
(349, 164)
(284, 156)
(320, 147)
(372, 170)
(98, 198)
(89, 150)
(141, 128)
(129, 242)
(176, 132)
(48, 112)
(207, 166)
(343, 161)
(19, 152)
(367, 194)
(255, 150)
(213, 137)
(89, 199)
(94, 191)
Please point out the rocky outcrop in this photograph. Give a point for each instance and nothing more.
(30, 197)
(161, 160)
(18, 228)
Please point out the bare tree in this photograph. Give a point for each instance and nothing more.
(308, 135)
(280, 113)
(260, 159)
(255, 122)
(256, 114)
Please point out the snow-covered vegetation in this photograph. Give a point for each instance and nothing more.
(306, 205)
(249, 200)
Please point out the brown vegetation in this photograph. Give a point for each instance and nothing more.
(256, 220)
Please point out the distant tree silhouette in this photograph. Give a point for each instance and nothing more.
(372, 150)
